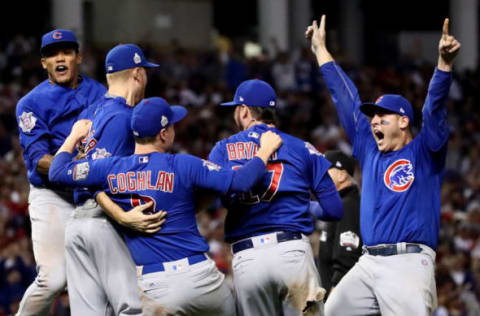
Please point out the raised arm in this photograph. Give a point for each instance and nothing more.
(342, 90)
(435, 128)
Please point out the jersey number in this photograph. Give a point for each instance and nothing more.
(276, 171)
(137, 199)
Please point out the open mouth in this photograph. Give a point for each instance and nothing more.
(61, 69)
(379, 135)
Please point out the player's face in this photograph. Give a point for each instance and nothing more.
(62, 65)
(240, 116)
(386, 130)
(338, 176)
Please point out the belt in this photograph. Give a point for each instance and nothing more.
(159, 267)
(392, 249)
(248, 243)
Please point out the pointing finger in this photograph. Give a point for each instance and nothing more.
(322, 22)
(445, 27)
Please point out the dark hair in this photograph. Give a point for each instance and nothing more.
(266, 115)
(145, 140)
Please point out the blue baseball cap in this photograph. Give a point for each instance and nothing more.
(254, 93)
(390, 102)
(126, 56)
(56, 37)
(152, 114)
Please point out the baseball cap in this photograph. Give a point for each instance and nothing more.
(56, 37)
(390, 102)
(152, 114)
(254, 93)
(341, 161)
(126, 56)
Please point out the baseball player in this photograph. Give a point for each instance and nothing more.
(100, 271)
(273, 266)
(340, 242)
(402, 175)
(173, 270)
(45, 116)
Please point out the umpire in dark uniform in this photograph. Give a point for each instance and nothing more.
(340, 242)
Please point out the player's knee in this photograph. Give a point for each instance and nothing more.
(52, 281)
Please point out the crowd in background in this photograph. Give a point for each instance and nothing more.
(200, 80)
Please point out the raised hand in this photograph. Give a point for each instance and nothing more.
(448, 48)
(80, 129)
(317, 35)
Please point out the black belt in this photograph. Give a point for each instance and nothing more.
(159, 267)
(248, 243)
(391, 250)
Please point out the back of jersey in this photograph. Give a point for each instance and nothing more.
(281, 201)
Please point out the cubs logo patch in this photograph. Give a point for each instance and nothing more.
(399, 176)
(100, 153)
(80, 171)
(164, 121)
(57, 35)
(312, 150)
(211, 166)
(137, 59)
(27, 121)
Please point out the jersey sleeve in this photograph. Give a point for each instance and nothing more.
(323, 188)
(208, 175)
(203, 173)
(82, 173)
(435, 130)
(88, 112)
(33, 133)
(217, 154)
(345, 96)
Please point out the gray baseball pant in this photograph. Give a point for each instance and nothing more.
(397, 285)
(198, 289)
(100, 271)
(49, 214)
(275, 278)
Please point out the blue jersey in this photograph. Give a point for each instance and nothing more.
(45, 117)
(166, 179)
(110, 134)
(400, 189)
(280, 202)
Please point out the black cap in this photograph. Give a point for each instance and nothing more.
(341, 161)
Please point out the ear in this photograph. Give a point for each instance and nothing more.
(79, 58)
(135, 73)
(245, 111)
(403, 122)
(162, 135)
(44, 62)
